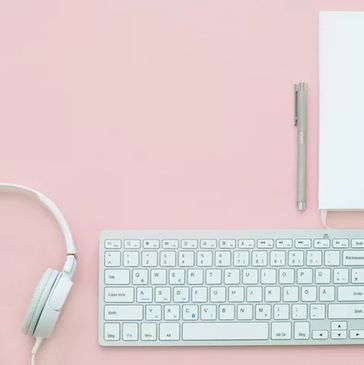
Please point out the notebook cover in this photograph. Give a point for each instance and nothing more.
(341, 134)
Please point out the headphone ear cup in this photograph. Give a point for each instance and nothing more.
(39, 300)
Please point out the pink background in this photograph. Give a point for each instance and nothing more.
(150, 114)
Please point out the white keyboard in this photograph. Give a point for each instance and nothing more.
(187, 288)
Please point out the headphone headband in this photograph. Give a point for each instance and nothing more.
(50, 206)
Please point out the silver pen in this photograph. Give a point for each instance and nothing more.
(301, 124)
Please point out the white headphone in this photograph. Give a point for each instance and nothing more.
(54, 286)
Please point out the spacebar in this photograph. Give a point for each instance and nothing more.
(224, 331)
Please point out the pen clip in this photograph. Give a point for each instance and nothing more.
(296, 87)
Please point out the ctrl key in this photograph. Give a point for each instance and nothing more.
(111, 331)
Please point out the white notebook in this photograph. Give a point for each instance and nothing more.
(341, 135)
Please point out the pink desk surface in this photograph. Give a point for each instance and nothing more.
(150, 114)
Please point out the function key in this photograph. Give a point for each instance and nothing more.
(208, 243)
(189, 243)
(265, 243)
(284, 243)
(227, 243)
(151, 243)
(170, 243)
(321, 243)
(357, 243)
(303, 243)
(340, 243)
(112, 243)
(248, 243)
(131, 243)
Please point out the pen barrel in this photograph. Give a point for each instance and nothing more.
(301, 170)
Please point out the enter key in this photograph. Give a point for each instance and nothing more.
(350, 293)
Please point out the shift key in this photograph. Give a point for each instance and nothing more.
(123, 312)
(346, 311)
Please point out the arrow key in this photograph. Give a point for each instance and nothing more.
(338, 326)
(338, 335)
(357, 334)
(320, 335)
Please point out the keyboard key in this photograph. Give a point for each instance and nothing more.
(222, 258)
(130, 331)
(224, 331)
(285, 243)
(162, 294)
(250, 276)
(171, 312)
(320, 335)
(144, 295)
(208, 312)
(231, 276)
(112, 258)
(357, 334)
(346, 311)
(199, 294)
(302, 330)
(323, 276)
(130, 244)
(131, 258)
(168, 244)
(204, 258)
(168, 259)
(254, 294)
(303, 243)
(150, 243)
(119, 295)
(111, 331)
(357, 276)
(150, 259)
(190, 312)
(186, 258)
(339, 326)
(227, 244)
(317, 311)
(350, 293)
(218, 294)
(236, 294)
(353, 258)
(327, 294)
(110, 244)
(295, 258)
(268, 243)
(213, 276)
(123, 312)
(226, 312)
(281, 331)
(245, 311)
(338, 335)
(332, 258)
(299, 311)
(189, 244)
(262, 312)
(246, 243)
(208, 244)
(158, 277)
(241, 258)
(259, 258)
(340, 243)
(281, 311)
(117, 277)
(357, 243)
(153, 312)
(195, 276)
(321, 243)
(148, 331)
(169, 331)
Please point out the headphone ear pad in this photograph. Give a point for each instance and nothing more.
(38, 301)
